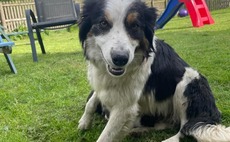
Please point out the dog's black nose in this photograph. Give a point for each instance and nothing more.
(120, 59)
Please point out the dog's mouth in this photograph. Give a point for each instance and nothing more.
(116, 71)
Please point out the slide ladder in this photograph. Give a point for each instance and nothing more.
(198, 11)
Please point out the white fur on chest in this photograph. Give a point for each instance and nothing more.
(121, 91)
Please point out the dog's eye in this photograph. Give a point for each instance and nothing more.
(104, 23)
(135, 26)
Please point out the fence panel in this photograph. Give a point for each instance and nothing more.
(217, 4)
(13, 13)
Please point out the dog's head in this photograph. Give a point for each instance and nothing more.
(115, 32)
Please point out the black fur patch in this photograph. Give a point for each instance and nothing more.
(201, 105)
(167, 70)
(148, 121)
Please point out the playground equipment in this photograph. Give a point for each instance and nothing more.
(197, 9)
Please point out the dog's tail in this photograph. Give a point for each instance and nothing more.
(210, 133)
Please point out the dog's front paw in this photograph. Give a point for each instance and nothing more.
(84, 123)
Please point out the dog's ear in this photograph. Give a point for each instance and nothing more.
(84, 27)
(150, 20)
(85, 22)
(91, 10)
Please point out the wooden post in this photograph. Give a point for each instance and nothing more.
(2, 15)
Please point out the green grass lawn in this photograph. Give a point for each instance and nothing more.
(45, 100)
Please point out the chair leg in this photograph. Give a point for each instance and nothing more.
(31, 36)
(40, 41)
(33, 47)
(10, 63)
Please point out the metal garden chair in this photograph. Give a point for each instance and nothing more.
(50, 14)
(6, 49)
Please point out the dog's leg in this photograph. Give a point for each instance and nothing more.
(183, 120)
(180, 104)
(86, 119)
(176, 138)
(120, 123)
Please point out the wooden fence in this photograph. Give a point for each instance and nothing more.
(12, 14)
(217, 4)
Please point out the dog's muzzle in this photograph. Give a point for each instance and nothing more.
(116, 71)
(119, 59)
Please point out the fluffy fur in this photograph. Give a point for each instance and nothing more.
(138, 80)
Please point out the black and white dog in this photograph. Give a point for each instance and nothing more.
(139, 79)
